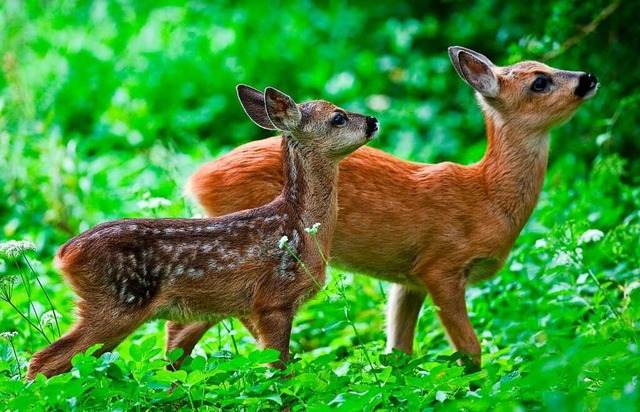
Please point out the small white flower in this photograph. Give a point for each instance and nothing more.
(591, 235)
(541, 244)
(9, 335)
(8, 281)
(313, 230)
(49, 318)
(578, 251)
(153, 203)
(14, 248)
(561, 258)
(283, 242)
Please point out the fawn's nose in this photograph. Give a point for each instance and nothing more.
(586, 83)
(372, 126)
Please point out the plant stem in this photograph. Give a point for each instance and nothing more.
(347, 315)
(306, 270)
(343, 295)
(15, 355)
(233, 339)
(29, 321)
(27, 289)
(46, 295)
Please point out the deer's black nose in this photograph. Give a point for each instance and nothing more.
(586, 83)
(372, 126)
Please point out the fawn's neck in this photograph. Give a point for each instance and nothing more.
(514, 167)
(310, 188)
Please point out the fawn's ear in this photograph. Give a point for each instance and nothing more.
(476, 70)
(282, 110)
(252, 102)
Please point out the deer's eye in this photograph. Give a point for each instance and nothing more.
(540, 84)
(339, 120)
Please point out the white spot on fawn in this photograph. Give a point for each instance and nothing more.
(195, 273)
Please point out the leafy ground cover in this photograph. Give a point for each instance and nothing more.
(107, 107)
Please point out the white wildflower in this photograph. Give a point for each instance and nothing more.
(153, 203)
(9, 335)
(49, 318)
(283, 242)
(8, 281)
(313, 230)
(578, 251)
(15, 248)
(561, 258)
(566, 258)
(591, 235)
(541, 244)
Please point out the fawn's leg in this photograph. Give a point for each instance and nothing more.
(449, 295)
(403, 307)
(88, 331)
(273, 328)
(185, 336)
(251, 327)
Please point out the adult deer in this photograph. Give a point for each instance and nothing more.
(128, 271)
(429, 228)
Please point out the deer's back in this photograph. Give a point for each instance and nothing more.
(392, 212)
(185, 266)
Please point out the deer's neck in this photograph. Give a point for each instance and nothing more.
(514, 167)
(310, 188)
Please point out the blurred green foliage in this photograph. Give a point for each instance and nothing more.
(108, 106)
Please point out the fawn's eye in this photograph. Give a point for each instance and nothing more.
(540, 84)
(339, 120)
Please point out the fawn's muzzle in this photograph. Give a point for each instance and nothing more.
(372, 126)
(586, 83)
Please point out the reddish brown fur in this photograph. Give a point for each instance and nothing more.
(128, 271)
(429, 228)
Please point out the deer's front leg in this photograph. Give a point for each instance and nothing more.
(448, 294)
(273, 329)
(403, 308)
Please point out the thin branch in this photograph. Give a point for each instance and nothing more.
(584, 31)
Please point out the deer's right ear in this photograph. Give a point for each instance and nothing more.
(282, 110)
(476, 70)
(252, 102)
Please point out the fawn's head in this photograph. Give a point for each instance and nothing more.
(529, 94)
(316, 124)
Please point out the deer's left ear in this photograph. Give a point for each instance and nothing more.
(476, 70)
(282, 110)
(252, 102)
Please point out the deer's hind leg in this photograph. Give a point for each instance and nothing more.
(90, 329)
(185, 336)
(403, 308)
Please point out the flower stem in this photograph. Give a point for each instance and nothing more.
(46, 295)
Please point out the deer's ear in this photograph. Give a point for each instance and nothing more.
(282, 110)
(476, 70)
(252, 102)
